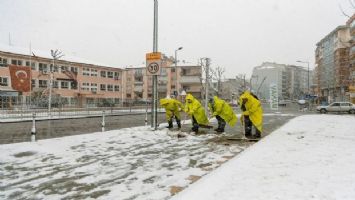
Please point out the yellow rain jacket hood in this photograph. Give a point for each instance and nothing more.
(253, 109)
(195, 109)
(172, 107)
(224, 110)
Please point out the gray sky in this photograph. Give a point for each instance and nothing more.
(235, 34)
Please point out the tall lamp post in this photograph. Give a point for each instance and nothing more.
(299, 61)
(176, 82)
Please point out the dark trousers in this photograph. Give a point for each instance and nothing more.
(178, 121)
(195, 125)
(221, 122)
(248, 125)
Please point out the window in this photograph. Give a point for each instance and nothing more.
(335, 104)
(3, 81)
(74, 85)
(103, 74)
(94, 87)
(93, 72)
(117, 88)
(55, 84)
(3, 62)
(42, 67)
(85, 86)
(42, 83)
(54, 69)
(128, 95)
(86, 71)
(116, 74)
(16, 62)
(33, 83)
(64, 68)
(64, 84)
(74, 69)
(109, 74)
(109, 87)
(102, 87)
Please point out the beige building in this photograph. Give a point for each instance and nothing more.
(138, 85)
(351, 24)
(82, 83)
(332, 66)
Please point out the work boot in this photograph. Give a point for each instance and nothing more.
(178, 123)
(194, 129)
(248, 135)
(170, 122)
(219, 130)
(257, 135)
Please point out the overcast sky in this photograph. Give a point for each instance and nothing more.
(235, 34)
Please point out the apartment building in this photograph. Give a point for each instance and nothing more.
(351, 24)
(332, 65)
(138, 85)
(291, 81)
(82, 83)
(76, 82)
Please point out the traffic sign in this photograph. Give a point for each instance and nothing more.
(153, 61)
(153, 56)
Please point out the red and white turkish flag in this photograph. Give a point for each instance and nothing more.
(20, 78)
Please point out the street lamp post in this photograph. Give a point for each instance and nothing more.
(176, 82)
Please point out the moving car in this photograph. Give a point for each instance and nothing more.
(337, 107)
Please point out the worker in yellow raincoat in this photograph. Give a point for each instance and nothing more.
(252, 114)
(172, 109)
(196, 111)
(223, 113)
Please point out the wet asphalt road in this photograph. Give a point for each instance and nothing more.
(21, 131)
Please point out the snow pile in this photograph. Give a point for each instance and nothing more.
(311, 157)
(133, 163)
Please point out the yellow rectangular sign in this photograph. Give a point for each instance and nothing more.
(153, 56)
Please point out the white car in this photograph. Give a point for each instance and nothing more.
(337, 107)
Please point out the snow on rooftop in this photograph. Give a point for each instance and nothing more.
(46, 54)
(301, 160)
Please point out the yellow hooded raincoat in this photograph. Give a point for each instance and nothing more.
(253, 109)
(223, 109)
(171, 107)
(195, 109)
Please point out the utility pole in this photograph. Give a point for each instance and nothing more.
(207, 70)
(154, 115)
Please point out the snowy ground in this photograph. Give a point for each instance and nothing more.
(133, 163)
(311, 157)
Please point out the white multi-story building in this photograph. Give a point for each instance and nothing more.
(293, 82)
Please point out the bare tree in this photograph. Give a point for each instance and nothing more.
(352, 4)
(217, 75)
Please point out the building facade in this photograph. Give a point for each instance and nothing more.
(79, 83)
(291, 81)
(351, 24)
(138, 84)
(332, 65)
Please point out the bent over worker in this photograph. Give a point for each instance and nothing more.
(196, 111)
(252, 114)
(172, 109)
(223, 113)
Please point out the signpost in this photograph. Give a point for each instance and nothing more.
(153, 61)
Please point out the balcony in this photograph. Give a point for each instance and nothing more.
(162, 88)
(190, 79)
(138, 88)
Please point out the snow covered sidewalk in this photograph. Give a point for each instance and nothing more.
(311, 157)
(132, 163)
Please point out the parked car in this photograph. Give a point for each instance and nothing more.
(337, 107)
